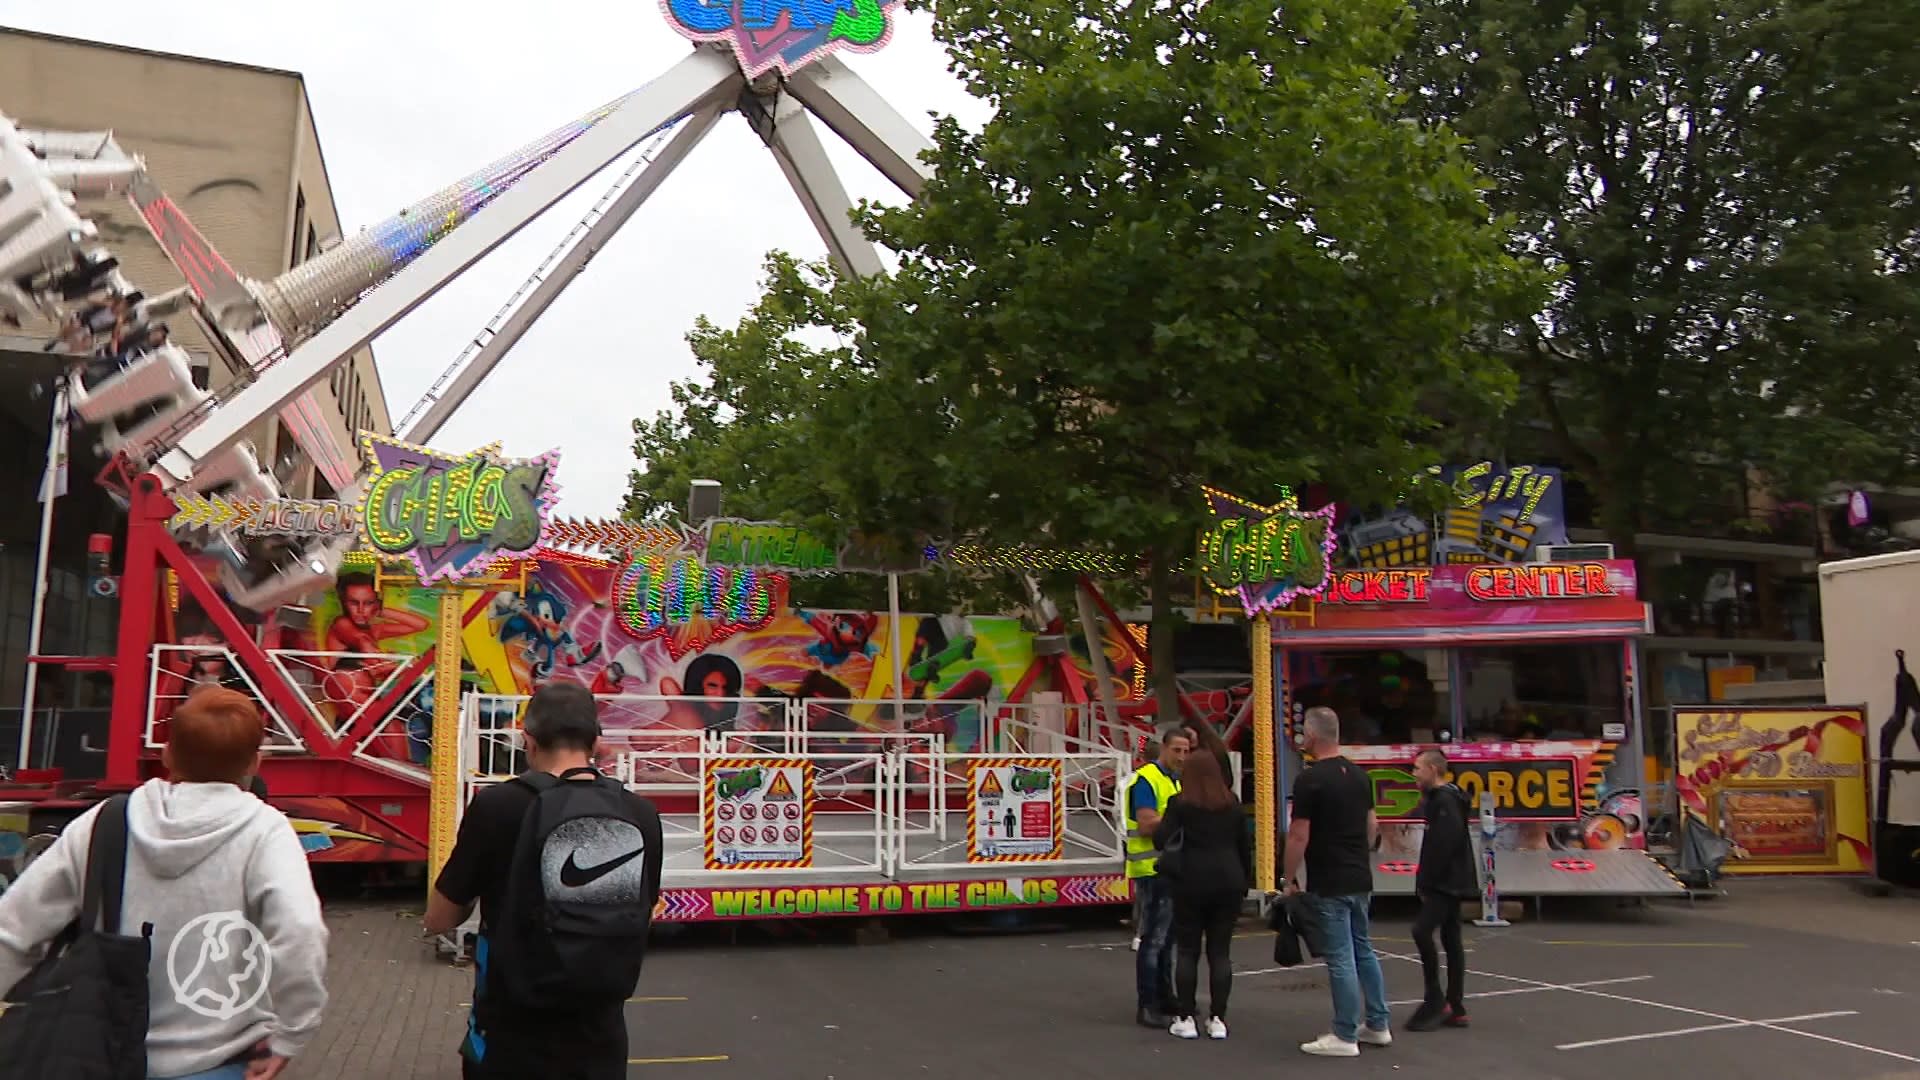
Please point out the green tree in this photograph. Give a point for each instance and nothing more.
(1196, 243)
(796, 427)
(1724, 189)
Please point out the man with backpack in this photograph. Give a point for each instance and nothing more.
(565, 866)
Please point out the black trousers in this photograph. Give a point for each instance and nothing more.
(1208, 920)
(1441, 913)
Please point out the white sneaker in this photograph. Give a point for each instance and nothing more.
(1330, 1045)
(1136, 943)
(1382, 1037)
(1216, 1028)
(1183, 1028)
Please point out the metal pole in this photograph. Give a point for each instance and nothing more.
(1490, 891)
(893, 647)
(444, 814)
(1265, 783)
(56, 458)
(1103, 676)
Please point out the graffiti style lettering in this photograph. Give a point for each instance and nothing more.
(1535, 790)
(767, 546)
(1269, 555)
(785, 34)
(451, 514)
(670, 590)
(1539, 581)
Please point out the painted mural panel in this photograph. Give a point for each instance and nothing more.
(569, 625)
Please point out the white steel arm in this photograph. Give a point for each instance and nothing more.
(566, 265)
(704, 77)
(803, 158)
(856, 112)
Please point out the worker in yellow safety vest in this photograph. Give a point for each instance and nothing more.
(1145, 799)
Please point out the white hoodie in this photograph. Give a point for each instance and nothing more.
(195, 852)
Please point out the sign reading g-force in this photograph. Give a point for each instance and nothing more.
(1533, 789)
(450, 515)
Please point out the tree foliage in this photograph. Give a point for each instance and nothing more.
(1725, 190)
(1196, 242)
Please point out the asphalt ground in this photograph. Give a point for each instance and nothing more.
(1801, 979)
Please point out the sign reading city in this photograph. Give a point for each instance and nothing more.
(452, 515)
(1015, 810)
(784, 35)
(1267, 555)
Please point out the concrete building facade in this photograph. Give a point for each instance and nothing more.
(237, 149)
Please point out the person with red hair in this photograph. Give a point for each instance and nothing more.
(218, 875)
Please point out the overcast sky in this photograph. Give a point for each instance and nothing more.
(411, 95)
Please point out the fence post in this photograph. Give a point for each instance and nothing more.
(1490, 894)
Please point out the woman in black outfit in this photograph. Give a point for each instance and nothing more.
(1209, 876)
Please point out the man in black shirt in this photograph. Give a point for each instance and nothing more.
(561, 730)
(1330, 834)
(1446, 877)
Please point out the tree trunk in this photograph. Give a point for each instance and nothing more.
(1166, 690)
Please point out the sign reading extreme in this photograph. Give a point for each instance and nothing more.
(1534, 789)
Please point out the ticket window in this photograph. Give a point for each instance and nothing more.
(1383, 696)
(1525, 692)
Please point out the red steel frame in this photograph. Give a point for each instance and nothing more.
(327, 766)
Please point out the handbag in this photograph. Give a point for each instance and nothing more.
(81, 1013)
(1172, 858)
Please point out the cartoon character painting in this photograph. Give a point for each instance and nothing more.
(843, 634)
(537, 623)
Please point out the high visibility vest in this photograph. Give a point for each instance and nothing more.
(1142, 859)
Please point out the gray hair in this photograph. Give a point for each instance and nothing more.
(1322, 725)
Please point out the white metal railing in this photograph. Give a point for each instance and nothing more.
(179, 670)
(885, 801)
(339, 688)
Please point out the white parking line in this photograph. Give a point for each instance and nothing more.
(1538, 989)
(1770, 1025)
(1703, 1028)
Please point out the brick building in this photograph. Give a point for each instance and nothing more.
(236, 148)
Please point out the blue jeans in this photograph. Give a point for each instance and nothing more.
(1153, 964)
(1353, 971)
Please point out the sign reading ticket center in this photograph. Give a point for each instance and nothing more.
(759, 814)
(1015, 810)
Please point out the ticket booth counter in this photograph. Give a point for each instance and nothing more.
(1525, 675)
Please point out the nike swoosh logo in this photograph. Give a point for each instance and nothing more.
(573, 875)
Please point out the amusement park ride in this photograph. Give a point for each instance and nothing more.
(197, 495)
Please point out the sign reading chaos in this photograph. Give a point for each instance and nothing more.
(1267, 555)
(784, 34)
(1529, 789)
(452, 515)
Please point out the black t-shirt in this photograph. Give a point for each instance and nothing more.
(1336, 796)
(576, 1045)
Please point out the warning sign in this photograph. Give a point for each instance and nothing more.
(759, 814)
(1015, 810)
(780, 788)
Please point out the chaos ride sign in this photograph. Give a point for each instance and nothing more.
(452, 515)
(784, 34)
(1266, 555)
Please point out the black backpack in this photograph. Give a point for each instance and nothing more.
(572, 929)
(81, 1013)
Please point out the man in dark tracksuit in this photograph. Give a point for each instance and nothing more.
(1445, 878)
